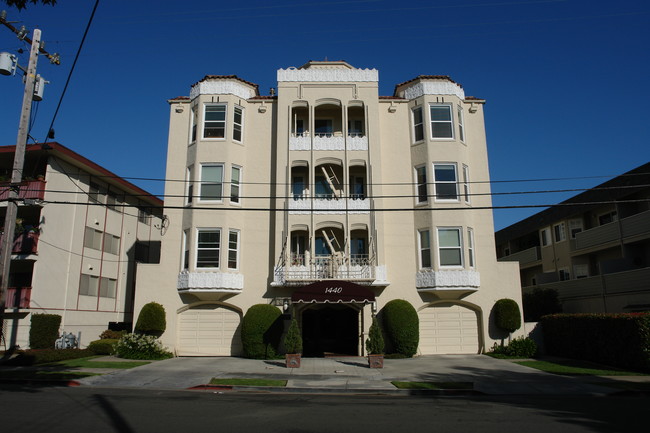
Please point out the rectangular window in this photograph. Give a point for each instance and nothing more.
(418, 125)
(425, 249)
(237, 125)
(88, 285)
(355, 128)
(461, 124)
(211, 182)
(545, 236)
(233, 249)
(564, 274)
(186, 251)
(207, 248)
(441, 122)
(559, 232)
(421, 181)
(190, 185)
(111, 244)
(470, 247)
(575, 227)
(450, 247)
(607, 218)
(357, 188)
(93, 239)
(112, 201)
(466, 194)
(446, 181)
(144, 216)
(214, 121)
(235, 178)
(94, 193)
(195, 116)
(107, 287)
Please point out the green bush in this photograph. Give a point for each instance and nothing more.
(293, 339)
(103, 346)
(507, 315)
(44, 356)
(521, 347)
(261, 331)
(44, 330)
(618, 340)
(402, 326)
(140, 346)
(375, 341)
(540, 302)
(112, 335)
(151, 320)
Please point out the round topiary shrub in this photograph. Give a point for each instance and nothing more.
(151, 320)
(402, 327)
(261, 330)
(507, 315)
(102, 347)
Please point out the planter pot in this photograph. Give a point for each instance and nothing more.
(376, 361)
(293, 360)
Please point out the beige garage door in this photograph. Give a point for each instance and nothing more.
(209, 330)
(448, 329)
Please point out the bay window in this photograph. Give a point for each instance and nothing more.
(211, 182)
(208, 247)
(441, 122)
(446, 182)
(450, 250)
(214, 121)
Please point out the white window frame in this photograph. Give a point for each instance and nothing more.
(205, 121)
(240, 124)
(185, 254)
(422, 249)
(197, 249)
(545, 237)
(419, 185)
(111, 244)
(417, 126)
(189, 187)
(234, 250)
(437, 182)
(559, 232)
(466, 190)
(461, 124)
(450, 122)
(575, 226)
(458, 230)
(93, 238)
(471, 250)
(194, 124)
(202, 182)
(235, 185)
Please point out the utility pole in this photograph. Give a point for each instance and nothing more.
(19, 160)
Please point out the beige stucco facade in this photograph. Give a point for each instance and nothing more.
(327, 181)
(76, 256)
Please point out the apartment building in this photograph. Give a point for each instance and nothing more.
(79, 233)
(327, 200)
(592, 248)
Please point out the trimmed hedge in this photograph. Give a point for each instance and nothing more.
(44, 330)
(151, 320)
(103, 346)
(261, 330)
(619, 340)
(507, 315)
(44, 356)
(540, 302)
(112, 335)
(402, 327)
(521, 347)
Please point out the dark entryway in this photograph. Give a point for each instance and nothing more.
(329, 330)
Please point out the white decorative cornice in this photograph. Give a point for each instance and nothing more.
(448, 279)
(439, 87)
(210, 280)
(221, 87)
(335, 74)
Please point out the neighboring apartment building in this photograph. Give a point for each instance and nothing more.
(80, 231)
(593, 248)
(328, 201)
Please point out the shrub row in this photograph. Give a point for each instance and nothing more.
(44, 356)
(103, 346)
(139, 346)
(44, 330)
(620, 340)
(521, 347)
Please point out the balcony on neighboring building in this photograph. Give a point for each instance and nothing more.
(210, 285)
(18, 297)
(524, 257)
(25, 243)
(447, 283)
(28, 189)
(632, 227)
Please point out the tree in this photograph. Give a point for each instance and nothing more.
(507, 315)
(22, 4)
(151, 320)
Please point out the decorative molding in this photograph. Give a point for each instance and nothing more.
(305, 206)
(329, 143)
(448, 279)
(434, 88)
(210, 280)
(299, 143)
(335, 74)
(358, 143)
(221, 87)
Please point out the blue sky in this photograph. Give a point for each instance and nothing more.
(565, 80)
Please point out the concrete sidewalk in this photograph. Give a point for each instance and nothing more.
(351, 374)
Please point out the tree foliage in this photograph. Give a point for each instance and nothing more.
(261, 330)
(151, 320)
(507, 315)
(402, 326)
(22, 4)
(375, 342)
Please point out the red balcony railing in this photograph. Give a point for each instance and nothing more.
(28, 189)
(24, 243)
(18, 297)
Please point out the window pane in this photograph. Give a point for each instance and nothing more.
(417, 116)
(450, 257)
(211, 178)
(449, 237)
(208, 248)
(234, 185)
(445, 173)
(209, 239)
(441, 130)
(446, 191)
(440, 113)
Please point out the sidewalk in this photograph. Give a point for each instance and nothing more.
(351, 375)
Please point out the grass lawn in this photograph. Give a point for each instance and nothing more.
(247, 382)
(89, 363)
(44, 375)
(573, 367)
(433, 385)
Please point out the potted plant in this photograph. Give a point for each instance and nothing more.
(375, 346)
(293, 345)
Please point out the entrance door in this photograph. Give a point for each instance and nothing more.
(330, 330)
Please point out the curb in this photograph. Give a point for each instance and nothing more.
(357, 391)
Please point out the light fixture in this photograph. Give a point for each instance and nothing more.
(285, 305)
(472, 108)
(373, 306)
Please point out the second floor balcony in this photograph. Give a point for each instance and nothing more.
(322, 205)
(210, 285)
(302, 269)
(18, 297)
(25, 243)
(28, 189)
(524, 257)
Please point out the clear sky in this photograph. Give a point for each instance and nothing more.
(566, 81)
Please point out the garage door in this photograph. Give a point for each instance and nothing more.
(448, 329)
(209, 330)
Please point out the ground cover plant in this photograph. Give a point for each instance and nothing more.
(137, 346)
(572, 367)
(91, 362)
(520, 347)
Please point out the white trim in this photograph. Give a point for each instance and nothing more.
(414, 140)
(438, 87)
(221, 87)
(237, 248)
(196, 248)
(559, 235)
(460, 120)
(201, 182)
(445, 182)
(466, 185)
(239, 184)
(460, 248)
(471, 248)
(450, 122)
(241, 124)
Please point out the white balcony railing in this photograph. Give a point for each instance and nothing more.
(213, 281)
(328, 142)
(329, 206)
(357, 267)
(447, 280)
